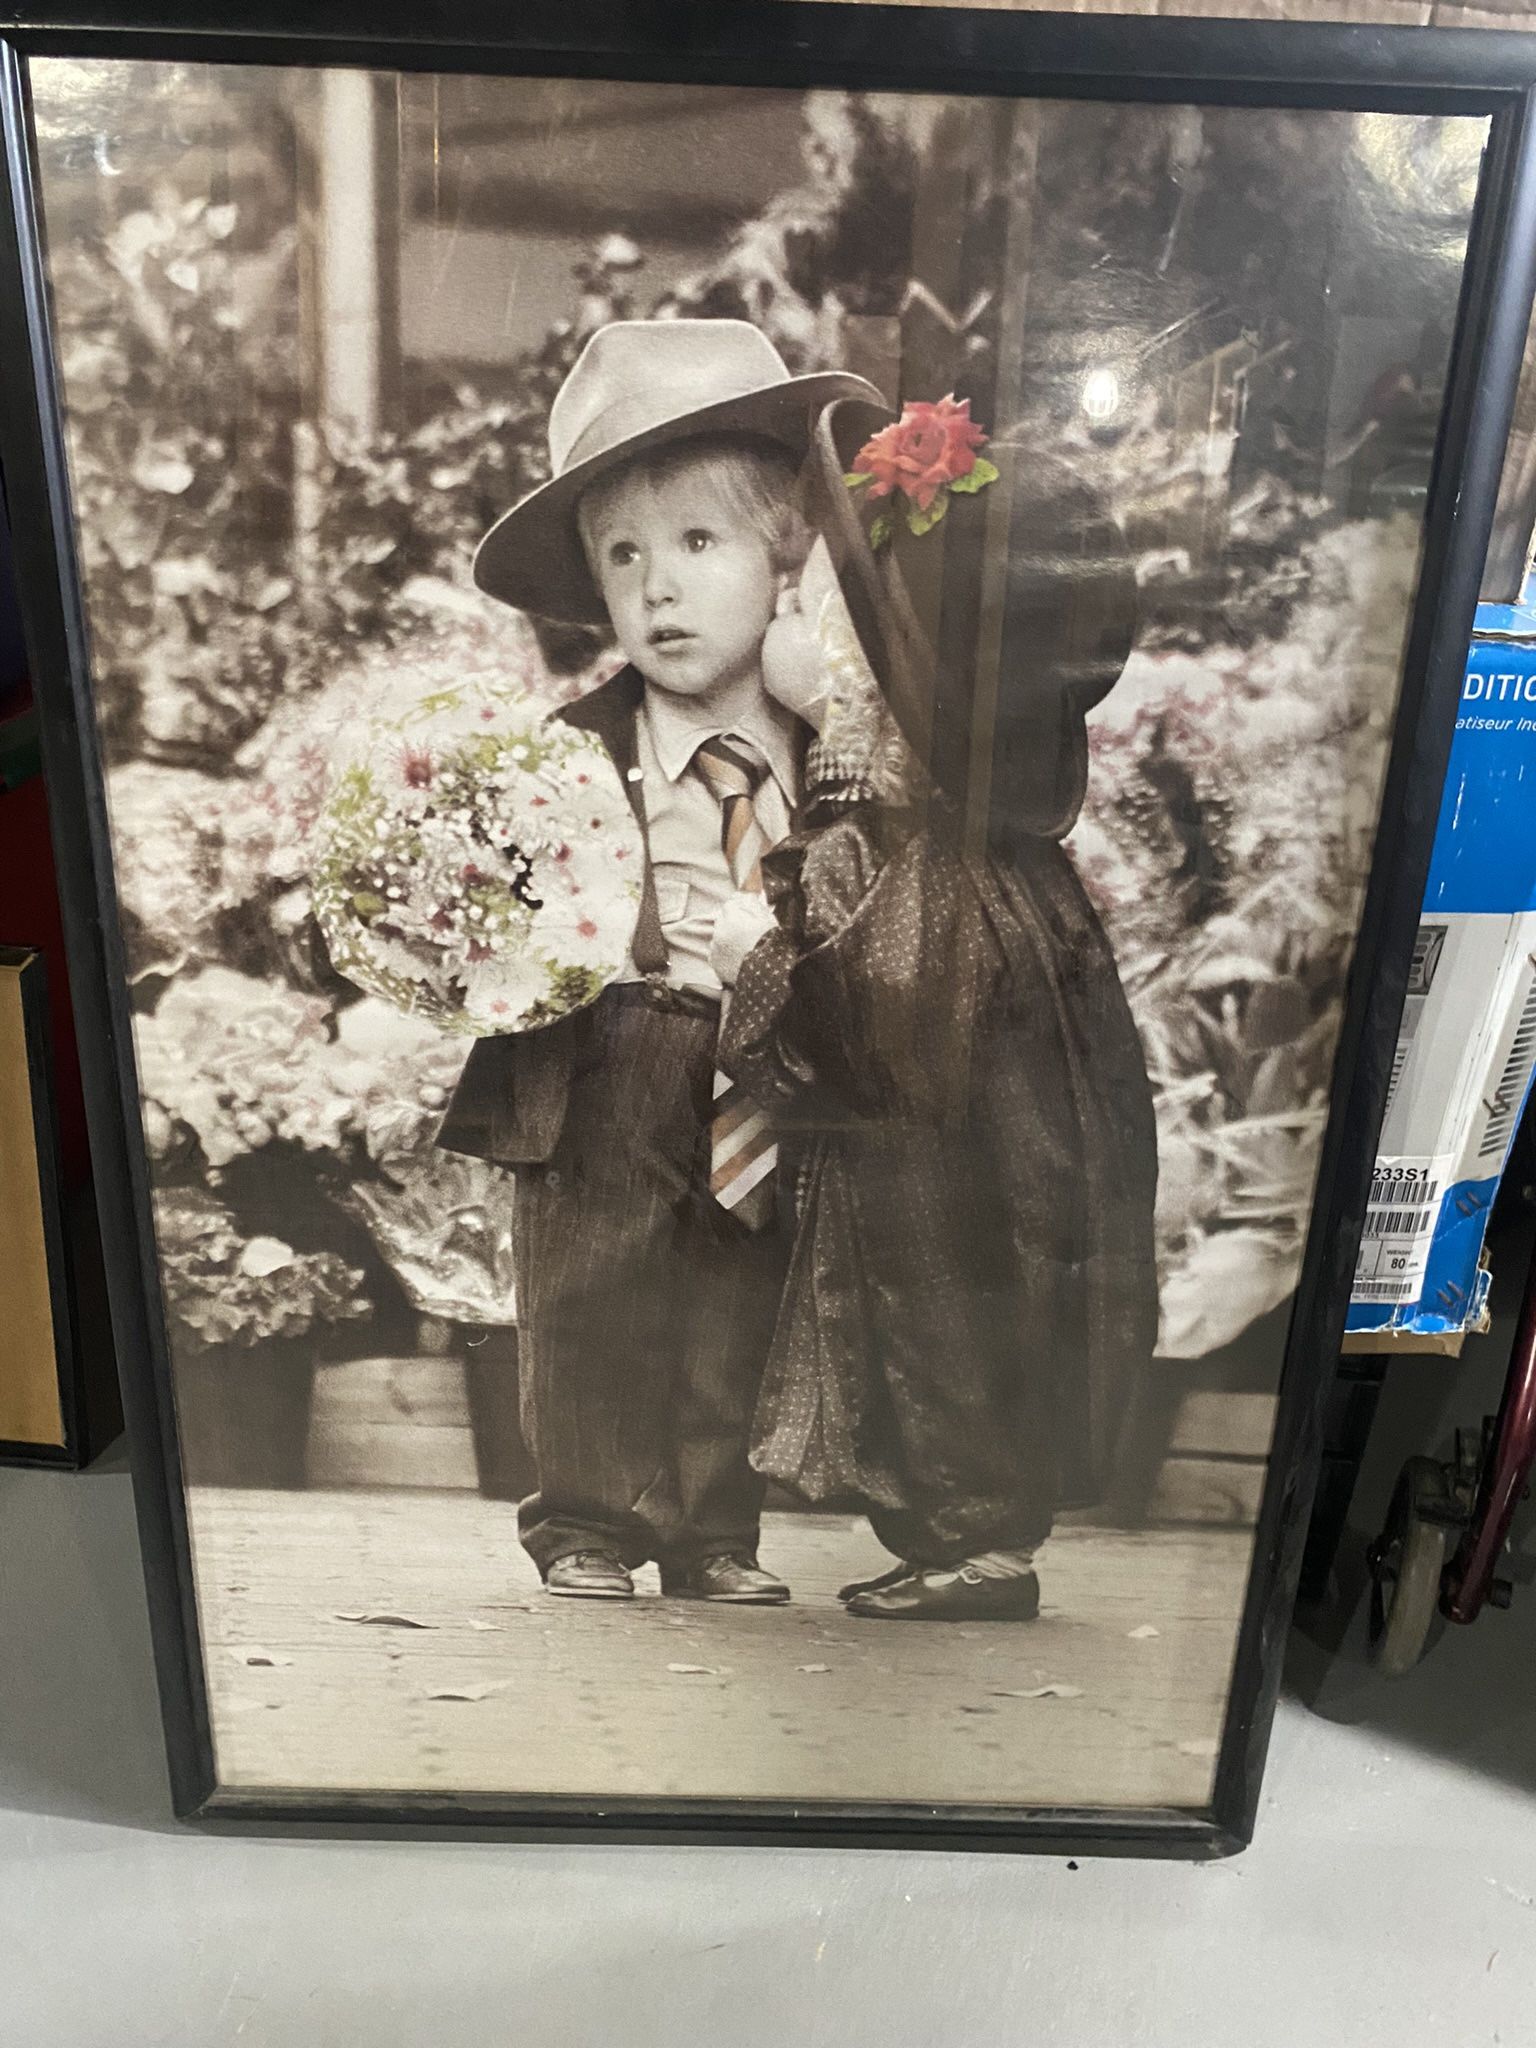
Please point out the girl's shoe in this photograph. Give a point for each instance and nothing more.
(898, 1571)
(960, 1593)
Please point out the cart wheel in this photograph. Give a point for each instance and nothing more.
(1408, 1560)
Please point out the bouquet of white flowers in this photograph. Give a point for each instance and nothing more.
(476, 863)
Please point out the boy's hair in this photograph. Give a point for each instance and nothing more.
(757, 478)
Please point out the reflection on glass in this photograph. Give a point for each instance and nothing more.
(310, 329)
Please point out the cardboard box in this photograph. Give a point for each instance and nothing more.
(1467, 1046)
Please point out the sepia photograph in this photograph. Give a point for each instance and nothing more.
(743, 732)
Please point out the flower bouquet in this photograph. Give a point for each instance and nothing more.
(476, 864)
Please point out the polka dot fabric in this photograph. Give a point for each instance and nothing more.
(964, 1104)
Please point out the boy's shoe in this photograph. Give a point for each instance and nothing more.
(730, 1575)
(959, 1594)
(589, 1575)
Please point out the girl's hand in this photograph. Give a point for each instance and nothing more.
(742, 921)
(794, 673)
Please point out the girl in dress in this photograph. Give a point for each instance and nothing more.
(936, 1018)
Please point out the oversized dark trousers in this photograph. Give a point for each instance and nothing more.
(645, 1313)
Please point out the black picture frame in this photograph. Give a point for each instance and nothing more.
(778, 42)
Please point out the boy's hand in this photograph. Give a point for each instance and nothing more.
(794, 673)
(742, 921)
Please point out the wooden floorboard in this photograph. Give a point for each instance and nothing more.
(794, 1703)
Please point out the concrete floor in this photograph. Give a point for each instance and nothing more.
(1390, 1896)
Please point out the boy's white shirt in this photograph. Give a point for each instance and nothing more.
(693, 879)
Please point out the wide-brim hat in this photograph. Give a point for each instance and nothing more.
(636, 386)
(993, 633)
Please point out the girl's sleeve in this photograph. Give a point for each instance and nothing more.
(863, 1000)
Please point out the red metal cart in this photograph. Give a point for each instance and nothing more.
(1448, 1524)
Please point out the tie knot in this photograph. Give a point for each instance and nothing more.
(731, 765)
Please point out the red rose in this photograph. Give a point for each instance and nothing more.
(928, 447)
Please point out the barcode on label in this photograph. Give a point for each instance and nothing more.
(1398, 1222)
(1387, 1290)
(1385, 1189)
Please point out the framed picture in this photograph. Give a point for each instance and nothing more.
(38, 1391)
(745, 709)
(1510, 543)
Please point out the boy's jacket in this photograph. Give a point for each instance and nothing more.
(509, 1105)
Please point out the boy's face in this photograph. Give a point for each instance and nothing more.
(688, 581)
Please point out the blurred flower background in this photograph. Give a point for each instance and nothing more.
(1253, 380)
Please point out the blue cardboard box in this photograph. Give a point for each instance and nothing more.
(1467, 1045)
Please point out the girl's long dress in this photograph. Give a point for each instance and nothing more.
(967, 1118)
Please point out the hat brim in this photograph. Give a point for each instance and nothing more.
(889, 634)
(532, 557)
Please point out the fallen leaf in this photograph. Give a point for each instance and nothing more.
(1203, 1748)
(467, 1692)
(813, 1667)
(1039, 1692)
(386, 1620)
(483, 1625)
(1145, 1633)
(698, 1670)
(255, 1657)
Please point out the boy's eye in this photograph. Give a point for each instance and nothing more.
(622, 553)
(696, 539)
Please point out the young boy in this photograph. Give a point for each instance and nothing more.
(648, 1266)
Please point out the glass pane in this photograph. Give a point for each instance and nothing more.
(1025, 981)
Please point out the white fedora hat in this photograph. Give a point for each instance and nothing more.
(636, 385)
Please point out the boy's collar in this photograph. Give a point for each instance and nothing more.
(608, 710)
(678, 729)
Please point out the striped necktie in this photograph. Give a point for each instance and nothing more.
(742, 1153)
